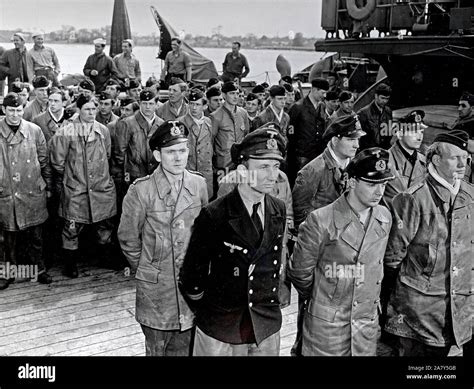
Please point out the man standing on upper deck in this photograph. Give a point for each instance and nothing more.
(375, 117)
(99, 66)
(127, 64)
(230, 124)
(44, 61)
(15, 62)
(234, 64)
(177, 64)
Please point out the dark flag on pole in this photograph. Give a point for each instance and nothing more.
(120, 27)
(203, 68)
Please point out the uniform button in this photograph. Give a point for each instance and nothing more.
(27, 161)
(355, 303)
(251, 291)
(274, 289)
(250, 305)
(275, 248)
(251, 278)
(275, 262)
(275, 275)
(16, 193)
(380, 261)
(453, 292)
(90, 190)
(30, 192)
(245, 251)
(353, 321)
(379, 282)
(29, 175)
(272, 301)
(454, 243)
(181, 318)
(13, 163)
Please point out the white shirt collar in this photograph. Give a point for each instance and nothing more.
(341, 162)
(453, 189)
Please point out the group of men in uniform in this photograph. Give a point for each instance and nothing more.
(381, 231)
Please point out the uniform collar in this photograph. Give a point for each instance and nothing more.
(164, 186)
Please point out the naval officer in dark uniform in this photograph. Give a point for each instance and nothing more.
(232, 268)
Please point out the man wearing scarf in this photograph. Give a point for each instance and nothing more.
(429, 255)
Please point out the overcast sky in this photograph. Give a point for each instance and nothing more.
(237, 17)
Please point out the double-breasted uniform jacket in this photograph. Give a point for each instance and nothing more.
(339, 265)
(133, 155)
(33, 109)
(318, 184)
(227, 128)
(47, 124)
(373, 122)
(432, 245)
(230, 274)
(200, 149)
(309, 124)
(10, 65)
(268, 116)
(81, 161)
(168, 112)
(281, 191)
(154, 233)
(25, 175)
(405, 173)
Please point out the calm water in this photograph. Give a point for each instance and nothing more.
(73, 57)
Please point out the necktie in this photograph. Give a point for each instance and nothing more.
(256, 220)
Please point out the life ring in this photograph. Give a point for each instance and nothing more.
(357, 13)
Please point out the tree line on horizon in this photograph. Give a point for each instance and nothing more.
(69, 34)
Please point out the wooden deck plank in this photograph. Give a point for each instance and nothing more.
(62, 300)
(114, 297)
(80, 338)
(107, 346)
(17, 289)
(130, 350)
(61, 332)
(76, 317)
(95, 285)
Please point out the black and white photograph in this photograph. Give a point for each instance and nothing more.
(288, 179)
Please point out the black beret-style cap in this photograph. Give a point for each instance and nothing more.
(168, 134)
(344, 96)
(133, 84)
(371, 165)
(344, 126)
(258, 89)
(213, 92)
(17, 87)
(229, 86)
(105, 96)
(383, 90)
(320, 83)
(469, 97)
(83, 100)
(251, 97)
(40, 82)
(127, 101)
(146, 95)
(277, 90)
(195, 95)
(265, 142)
(455, 137)
(212, 81)
(289, 88)
(87, 84)
(12, 100)
(112, 82)
(332, 95)
(287, 79)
